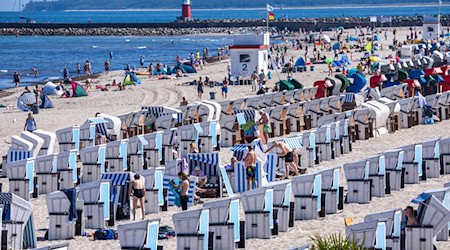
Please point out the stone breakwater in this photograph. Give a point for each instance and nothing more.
(198, 27)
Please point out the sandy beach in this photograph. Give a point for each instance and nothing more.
(71, 111)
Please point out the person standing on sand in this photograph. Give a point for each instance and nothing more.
(265, 121)
(254, 80)
(137, 190)
(150, 69)
(30, 123)
(250, 167)
(288, 154)
(200, 88)
(184, 185)
(225, 88)
(16, 79)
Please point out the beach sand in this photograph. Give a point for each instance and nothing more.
(71, 111)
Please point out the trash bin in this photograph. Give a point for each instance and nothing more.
(35, 109)
(212, 95)
(311, 68)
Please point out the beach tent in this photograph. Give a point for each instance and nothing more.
(185, 68)
(131, 79)
(326, 39)
(344, 81)
(368, 47)
(336, 46)
(376, 38)
(78, 90)
(25, 101)
(296, 84)
(353, 39)
(46, 103)
(51, 89)
(285, 85)
(300, 62)
(359, 81)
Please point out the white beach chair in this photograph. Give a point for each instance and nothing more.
(364, 123)
(37, 141)
(21, 177)
(278, 116)
(279, 98)
(392, 220)
(296, 117)
(224, 222)
(444, 155)
(60, 225)
(192, 229)
(430, 159)
(116, 156)
(208, 140)
(96, 197)
(47, 176)
(190, 113)
(394, 116)
(310, 93)
(68, 138)
(314, 111)
(19, 143)
(139, 234)
(323, 141)
(359, 184)
(19, 226)
(334, 198)
(282, 204)
(113, 125)
(169, 141)
(346, 140)
(258, 209)
(217, 108)
(205, 112)
(226, 107)
(309, 144)
(267, 100)
(230, 129)
(66, 166)
(371, 233)
(407, 113)
(93, 159)
(135, 153)
(412, 163)
(49, 141)
(432, 216)
(154, 178)
(382, 113)
(377, 173)
(254, 102)
(444, 106)
(307, 190)
(239, 103)
(394, 166)
(289, 96)
(299, 95)
(443, 195)
(188, 134)
(336, 140)
(153, 149)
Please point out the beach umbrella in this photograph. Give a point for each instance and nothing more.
(329, 60)
(326, 39)
(25, 101)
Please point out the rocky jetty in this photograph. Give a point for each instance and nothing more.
(226, 26)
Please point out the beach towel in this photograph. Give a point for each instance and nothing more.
(176, 192)
(72, 196)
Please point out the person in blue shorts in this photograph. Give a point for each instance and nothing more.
(225, 88)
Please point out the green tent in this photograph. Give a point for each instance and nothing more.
(344, 80)
(285, 85)
(297, 84)
(78, 90)
(402, 75)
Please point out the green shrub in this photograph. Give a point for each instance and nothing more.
(335, 242)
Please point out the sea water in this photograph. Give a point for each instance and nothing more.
(157, 16)
(51, 54)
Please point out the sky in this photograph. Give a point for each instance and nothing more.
(7, 5)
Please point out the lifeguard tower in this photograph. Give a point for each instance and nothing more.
(249, 53)
(431, 27)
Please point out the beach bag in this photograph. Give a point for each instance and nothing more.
(105, 234)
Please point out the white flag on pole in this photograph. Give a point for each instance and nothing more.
(270, 8)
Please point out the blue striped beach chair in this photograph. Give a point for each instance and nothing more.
(208, 163)
(18, 155)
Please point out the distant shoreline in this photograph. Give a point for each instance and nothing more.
(311, 7)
